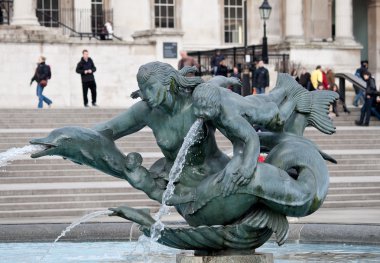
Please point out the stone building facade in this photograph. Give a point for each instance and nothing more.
(334, 33)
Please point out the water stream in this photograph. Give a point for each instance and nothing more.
(15, 153)
(74, 224)
(174, 174)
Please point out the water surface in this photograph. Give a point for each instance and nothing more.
(131, 252)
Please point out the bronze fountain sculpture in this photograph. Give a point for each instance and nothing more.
(229, 203)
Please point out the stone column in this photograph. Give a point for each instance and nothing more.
(344, 21)
(374, 37)
(24, 13)
(294, 21)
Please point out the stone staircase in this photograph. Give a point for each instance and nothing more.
(52, 189)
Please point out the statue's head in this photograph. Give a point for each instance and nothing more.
(157, 80)
(206, 101)
(133, 161)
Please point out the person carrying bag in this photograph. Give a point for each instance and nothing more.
(41, 76)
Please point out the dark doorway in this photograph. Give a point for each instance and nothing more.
(360, 21)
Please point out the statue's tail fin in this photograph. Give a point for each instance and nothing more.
(314, 105)
(265, 217)
(319, 114)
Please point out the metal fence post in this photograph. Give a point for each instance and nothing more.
(342, 88)
(234, 49)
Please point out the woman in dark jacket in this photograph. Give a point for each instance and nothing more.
(41, 76)
(369, 99)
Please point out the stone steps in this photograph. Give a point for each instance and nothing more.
(353, 197)
(57, 179)
(74, 197)
(353, 190)
(356, 203)
(145, 202)
(64, 212)
(67, 191)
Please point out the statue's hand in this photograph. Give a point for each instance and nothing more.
(227, 177)
(245, 175)
(234, 175)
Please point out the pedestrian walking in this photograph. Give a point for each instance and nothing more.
(86, 69)
(236, 74)
(359, 97)
(41, 75)
(370, 99)
(222, 69)
(215, 61)
(261, 78)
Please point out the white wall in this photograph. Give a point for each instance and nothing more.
(340, 59)
(131, 16)
(202, 23)
(117, 66)
(82, 20)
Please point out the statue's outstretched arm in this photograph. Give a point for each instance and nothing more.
(128, 122)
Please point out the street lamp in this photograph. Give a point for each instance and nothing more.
(265, 10)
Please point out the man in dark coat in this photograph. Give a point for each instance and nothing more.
(261, 78)
(215, 61)
(86, 69)
(369, 99)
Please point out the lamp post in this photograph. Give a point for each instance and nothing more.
(265, 10)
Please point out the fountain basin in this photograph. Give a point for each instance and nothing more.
(132, 252)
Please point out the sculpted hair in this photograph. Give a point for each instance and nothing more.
(166, 74)
(208, 92)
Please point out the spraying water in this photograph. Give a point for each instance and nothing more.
(174, 174)
(76, 223)
(14, 153)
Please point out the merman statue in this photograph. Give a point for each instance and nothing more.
(228, 203)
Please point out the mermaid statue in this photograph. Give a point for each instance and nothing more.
(229, 202)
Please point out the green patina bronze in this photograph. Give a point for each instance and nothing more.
(229, 203)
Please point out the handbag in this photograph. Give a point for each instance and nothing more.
(43, 83)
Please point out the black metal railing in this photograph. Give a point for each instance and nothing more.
(236, 57)
(79, 22)
(6, 12)
(358, 82)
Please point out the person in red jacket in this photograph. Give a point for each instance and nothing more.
(324, 79)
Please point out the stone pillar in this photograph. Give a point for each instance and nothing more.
(344, 22)
(24, 13)
(294, 21)
(374, 37)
